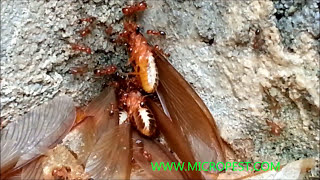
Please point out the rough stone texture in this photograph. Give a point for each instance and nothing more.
(250, 61)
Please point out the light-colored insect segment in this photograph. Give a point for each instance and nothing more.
(145, 121)
(148, 74)
(123, 116)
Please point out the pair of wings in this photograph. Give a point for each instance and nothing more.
(106, 148)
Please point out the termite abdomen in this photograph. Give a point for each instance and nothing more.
(144, 121)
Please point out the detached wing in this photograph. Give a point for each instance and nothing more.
(189, 112)
(111, 157)
(175, 138)
(100, 107)
(36, 132)
(145, 152)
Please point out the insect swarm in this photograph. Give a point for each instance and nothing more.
(152, 156)
(106, 142)
(110, 148)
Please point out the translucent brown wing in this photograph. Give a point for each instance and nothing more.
(145, 152)
(78, 144)
(174, 137)
(34, 170)
(100, 107)
(111, 156)
(35, 132)
(188, 112)
(81, 139)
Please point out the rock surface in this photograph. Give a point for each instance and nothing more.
(254, 63)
